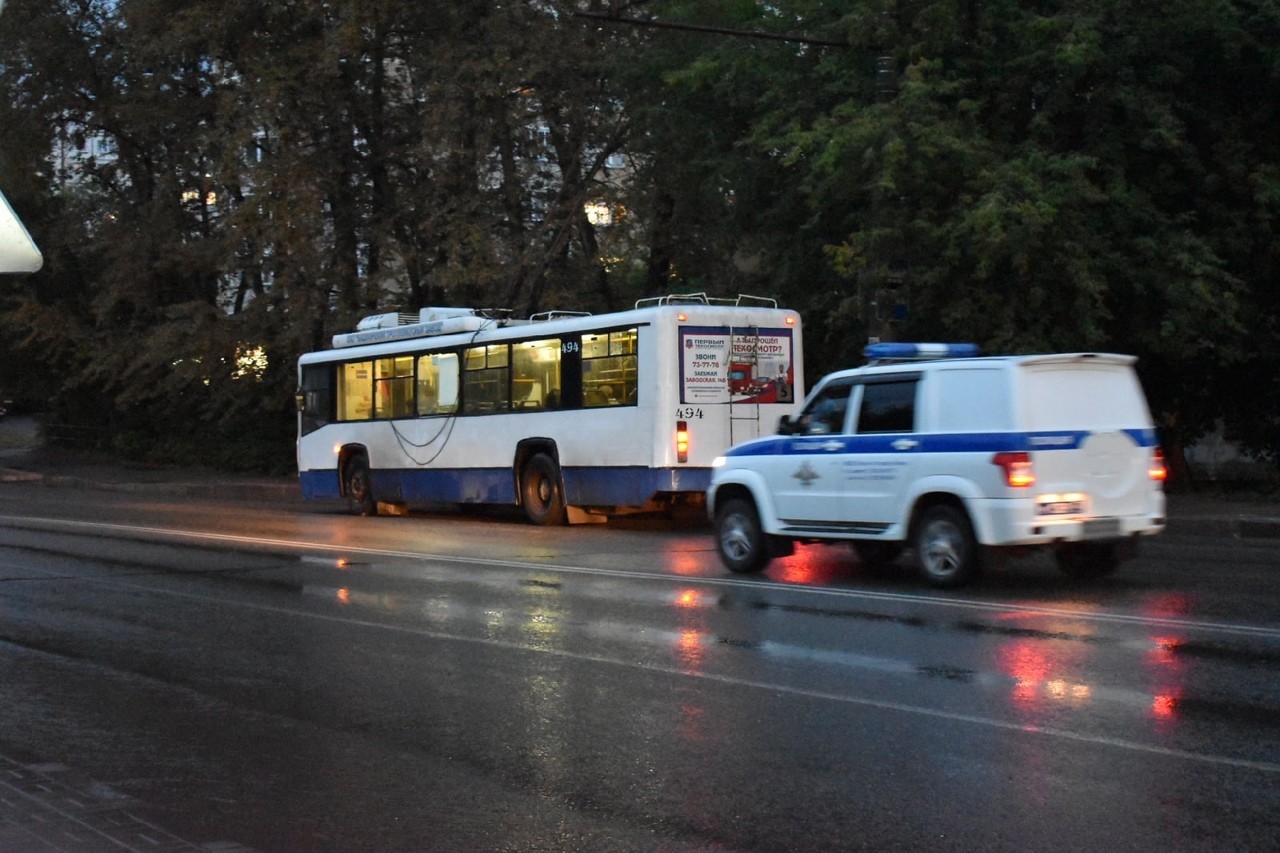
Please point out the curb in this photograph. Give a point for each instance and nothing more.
(244, 491)
(1224, 528)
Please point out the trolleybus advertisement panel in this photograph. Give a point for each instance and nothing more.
(720, 365)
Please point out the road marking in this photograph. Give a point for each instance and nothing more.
(728, 680)
(138, 531)
(679, 671)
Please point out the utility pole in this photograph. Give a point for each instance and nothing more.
(869, 280)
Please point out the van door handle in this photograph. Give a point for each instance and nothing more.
(905, 444)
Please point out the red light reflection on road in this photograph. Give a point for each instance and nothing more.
(689, 650)
(1164, 651)
(344, 596)
(689, 645)
(1164, 706)
(1167, 669)
(1042, 675)
(1028, 668)
(688, 598)
(1167, 605)
(811, 565)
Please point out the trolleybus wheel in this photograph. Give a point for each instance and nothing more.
(360, 487)
(541, 491)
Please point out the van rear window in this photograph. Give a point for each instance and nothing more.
(1084, 397)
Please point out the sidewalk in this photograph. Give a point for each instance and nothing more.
(51, 808)
(22, 459)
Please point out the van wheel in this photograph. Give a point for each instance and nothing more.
(740, 542)
(946, 547)
(360, 486)
(1087, 560)
(541, 491)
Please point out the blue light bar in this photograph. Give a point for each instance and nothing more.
(879, 352)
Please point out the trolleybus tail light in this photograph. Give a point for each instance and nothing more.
(682, 441)
(1017, 468)
(1157, 470)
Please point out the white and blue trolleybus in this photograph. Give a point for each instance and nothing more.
(570, 416)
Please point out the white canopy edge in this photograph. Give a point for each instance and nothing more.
(18, 252)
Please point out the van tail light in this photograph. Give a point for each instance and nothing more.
(1157, 470)
(1017, 468)
(682, 441)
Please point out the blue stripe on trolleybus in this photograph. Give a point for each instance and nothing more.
(587, 486)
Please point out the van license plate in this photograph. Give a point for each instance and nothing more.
(1101, 528)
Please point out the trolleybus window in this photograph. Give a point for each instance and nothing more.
(355, 391)
(609, 368)
(393, 390)
(536, 382)
(485, 386)
(438, 383)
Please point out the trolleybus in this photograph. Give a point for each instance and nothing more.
(572, 417)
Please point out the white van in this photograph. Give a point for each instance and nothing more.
(932, 447)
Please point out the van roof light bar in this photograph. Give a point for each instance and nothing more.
(918, 352)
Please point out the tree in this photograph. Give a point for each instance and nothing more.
(277, 169)
(1065, 176)
(1073, 174)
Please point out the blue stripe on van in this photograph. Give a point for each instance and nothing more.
(974, 442)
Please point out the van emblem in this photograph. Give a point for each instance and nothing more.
(805, 474)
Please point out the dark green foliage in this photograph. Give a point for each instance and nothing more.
(1102, 174)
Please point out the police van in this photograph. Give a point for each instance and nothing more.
(959, 458)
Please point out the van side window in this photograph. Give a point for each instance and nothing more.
(974, 399)
(888, 407)
(825, 413)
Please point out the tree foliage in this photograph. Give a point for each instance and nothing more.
(1061, 175)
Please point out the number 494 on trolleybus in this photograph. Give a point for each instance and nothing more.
(570, 416)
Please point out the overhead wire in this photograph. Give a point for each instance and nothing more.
(446, 426)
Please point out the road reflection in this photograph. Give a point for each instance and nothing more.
(1049, 659)
(1043, 674)
(1051, 675)
(690, 643)
(1165, 665)
(1167, 676)
(810, 565)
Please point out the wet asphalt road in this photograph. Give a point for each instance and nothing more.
(292, 678)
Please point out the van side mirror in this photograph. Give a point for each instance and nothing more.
(786, 426)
